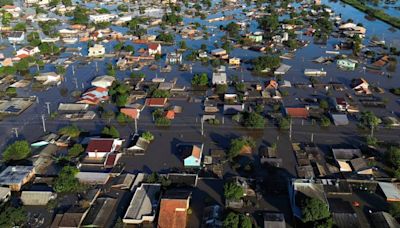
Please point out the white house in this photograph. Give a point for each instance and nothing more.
(103, 81)
(49, 78)
(28, 51)
(98, 18)
(219, 78)
(97, 50)
(16, 37)
(101, 147)
(154, 49)
(194, 159)
(38, 2)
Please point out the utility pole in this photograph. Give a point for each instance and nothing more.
(48, 107)
(312, 137)
(290, 129)
(76, 82)
(97, 67)
(73, 70)
(202, 126)
(136, 131)
(43, 123)
(15, 130)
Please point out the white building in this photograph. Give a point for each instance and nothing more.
(98, 18)
(97, 50)
(38, 2)
(16, 37)
(103, 81)
(219, 78)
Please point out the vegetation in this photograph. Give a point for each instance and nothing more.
(370, 121)
(158, 93)
(72, 131)
(80, 16)
(162, 122)
(238, 144)
(75, 151)
(165, 37)
(263, 62)
(379, 14)
(200, 79)
(233, 191)
(325, 121)
(119, 94)
(19, 150)
(394, 209)
(148, 136)
(234, 220)
(395, 91)
(253, 120)
(66, 181)
(284, 124)
(314, 211)
(110, 131)
(13, 217)
(154, 177)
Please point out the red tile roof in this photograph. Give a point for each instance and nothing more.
(100, 145)
(170, 114)
(130, 112)
(156, 102)
(110, 160)
(196, 152)
(297, 112)
(172, 213)
(153, 46)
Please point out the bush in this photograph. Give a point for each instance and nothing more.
(66, 181)
(232, 191)
(75, 151)
(254, 120)
(71, 131)
(110, 131)
(148, 136)
(13, 217)
(200, 79)
(394, 209)
(371, 141)
(238, 144)
(325, 121)
(19, 150)
(314, 209)
(284, 124)
(162, 122)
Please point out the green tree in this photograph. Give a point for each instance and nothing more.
(238, 144)
(158, 93)
(231, 220)
(254, 120)
(200, 79)
(80, 16)
(75, 151)
(6, 18)
(313, 210)
(148, 136)
(324, 104)
(19, 150)
(284, 124)
(245, 221)
(393, 156)
(66, 182)
(233, 191)
(369, 120)
(72, 131)
(13, 217)
(110, 131)
(325, 121)
(394, 209)
(183, 44)
(233, 29)
(20, 27)
(162, 122)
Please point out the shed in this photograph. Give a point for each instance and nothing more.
(92, 177)
(340, 119)
(36, 198)
(390, 191)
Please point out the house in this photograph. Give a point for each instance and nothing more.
(314, 72)
(97, 50)
(16, 176)
(38, 2)
(144, 204)
(340, 119)
(390, 191)
(71, 219)
(27, 51)
(94, 96)
(219, 78)
(232, 109)
(5, 194)
(272, 84)
(340, 104)
(282, 69)
(103, 81)
(139, 146)
(173, 209)
(36, 198)
(169, 114)
(132, 113)
(360, 85)
(218, 52)
(274, 220)
(344, 156)
(156, 102)
(346, 64)
(16, 37)
(93, 178)
(383, 220)
(297, 112)
(154, 49)
(101, 212)
(256, 38)
(194, 159)
(101, 147)
(234, 61)
(99, 18)
(49, 78)
(174, 58)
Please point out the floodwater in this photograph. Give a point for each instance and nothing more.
(85, 72)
